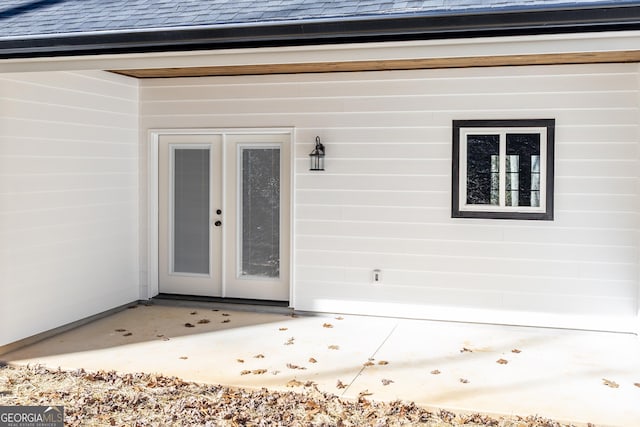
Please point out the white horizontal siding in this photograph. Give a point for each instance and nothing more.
(68, 198)
(384, 199)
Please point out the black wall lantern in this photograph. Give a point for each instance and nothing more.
(317, 156)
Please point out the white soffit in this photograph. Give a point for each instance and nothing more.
(431, 49)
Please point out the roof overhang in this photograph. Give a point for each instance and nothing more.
(516, 22)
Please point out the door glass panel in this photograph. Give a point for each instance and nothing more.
(260, 211)
(191, 211)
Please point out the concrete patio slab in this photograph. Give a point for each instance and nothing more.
(552, 373)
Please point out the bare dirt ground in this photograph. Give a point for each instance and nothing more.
(111, 399)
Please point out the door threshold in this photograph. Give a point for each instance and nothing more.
(241, 304)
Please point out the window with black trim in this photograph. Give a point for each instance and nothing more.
(503, 169)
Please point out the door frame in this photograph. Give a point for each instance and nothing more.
(152, 241)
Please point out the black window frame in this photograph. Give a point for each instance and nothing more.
(546, 215)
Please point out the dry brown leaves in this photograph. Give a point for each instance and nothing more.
(290, 341)
(502, 361)
(292, 366)
(282, 329)
(386, 381)
(107, 398)
(204, 321)
(636, 384)
(435, 372)
(466, 350)
(327, 325)
(515, 350)
(610, 383)
(383, 362)
(312, 360)
(340, 384)
(334, 347)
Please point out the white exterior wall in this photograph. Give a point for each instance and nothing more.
(68, 198)
(384, 200)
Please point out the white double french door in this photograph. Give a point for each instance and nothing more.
(223, 215)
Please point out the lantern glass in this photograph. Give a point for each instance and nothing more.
(317, 156)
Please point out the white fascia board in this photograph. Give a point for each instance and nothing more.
(451, 48)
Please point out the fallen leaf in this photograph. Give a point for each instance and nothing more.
(294, 383)
(464, 380)
(204, 321)
(283, 329)
(364, 393)
(435, 372)
(309, 383)
(636, 384)
(215, 309)
(383, 362)
(327, 325)
(245, 372)
(193, 313)
(226, 314)
(259, 356)
(240, 360)
(258, 371)
(386, 382)
(183, 357)
(160, 335)
(502, 361)
(189, 325)
(339, 318)
(121, 330)
(334, 347)
(465, 350)
(292, 366)
(226, 321)
(312, 360)
(290, 341)
(128, 334)
(610, 383)
(340, 384)
(368, 363)
(515, 350)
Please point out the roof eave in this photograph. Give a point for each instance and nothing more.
(344, 30)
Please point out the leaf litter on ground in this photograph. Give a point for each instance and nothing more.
(140, 399)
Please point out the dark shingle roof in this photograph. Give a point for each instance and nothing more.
(42, 28)
(20, 18)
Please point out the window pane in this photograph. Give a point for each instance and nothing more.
(523, 169)
(191, 211)
(260, 212)
(483, 169)
(512, 180)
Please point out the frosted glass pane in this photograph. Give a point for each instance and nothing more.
(260, 212)
(191, 211)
